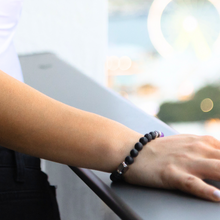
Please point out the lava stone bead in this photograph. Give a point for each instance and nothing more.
(143, 140)
(138, 146)
(134, 153)
(129, 160)
(149, 137)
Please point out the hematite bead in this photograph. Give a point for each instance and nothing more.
(148, 136)
(129, 160)
(153, 134)
(138, 146)
(143, 140)
(159, 133)
(122, 168)
(134, 153)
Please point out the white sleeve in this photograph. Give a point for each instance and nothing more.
(10, 11)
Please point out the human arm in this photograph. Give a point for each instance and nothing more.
(35, 124)
(50, 130)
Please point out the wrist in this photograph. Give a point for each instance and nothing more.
(121, 146)
(119, 173)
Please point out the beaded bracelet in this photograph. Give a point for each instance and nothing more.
(117, 175)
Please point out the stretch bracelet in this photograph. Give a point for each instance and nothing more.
(117, 175)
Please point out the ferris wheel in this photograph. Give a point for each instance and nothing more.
(176, 25)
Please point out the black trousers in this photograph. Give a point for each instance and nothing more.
(25, 193)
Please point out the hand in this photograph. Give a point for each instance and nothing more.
(179, 162)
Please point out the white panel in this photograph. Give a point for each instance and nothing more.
(74, 30)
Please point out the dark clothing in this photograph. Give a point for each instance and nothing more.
(25, 193)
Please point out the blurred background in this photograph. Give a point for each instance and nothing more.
(76, 31)
(161, 55)
(164, 56)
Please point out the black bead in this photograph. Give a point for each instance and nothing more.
(138, 146)
(148, 136)
(153, 134)
(115, 176)
(134, 153)
(143, 140)
(129, 160)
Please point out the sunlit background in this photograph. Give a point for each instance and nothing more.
(164, 56)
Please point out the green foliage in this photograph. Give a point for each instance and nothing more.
(190, 110)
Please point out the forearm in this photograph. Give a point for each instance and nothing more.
(35, 124)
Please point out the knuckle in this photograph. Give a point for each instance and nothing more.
(193, 143)
(189, 182)
(198, 144)
(216, 166)
(193, 139)
(208, 138)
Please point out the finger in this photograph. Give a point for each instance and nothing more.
(213, 154)
(211, 141)
(195, 186)
(207, 169)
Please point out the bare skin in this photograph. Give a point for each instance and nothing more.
(179, 162)
(35, 124)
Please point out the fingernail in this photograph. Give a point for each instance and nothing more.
(216, 194)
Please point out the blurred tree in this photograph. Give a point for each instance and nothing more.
(191, 110)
